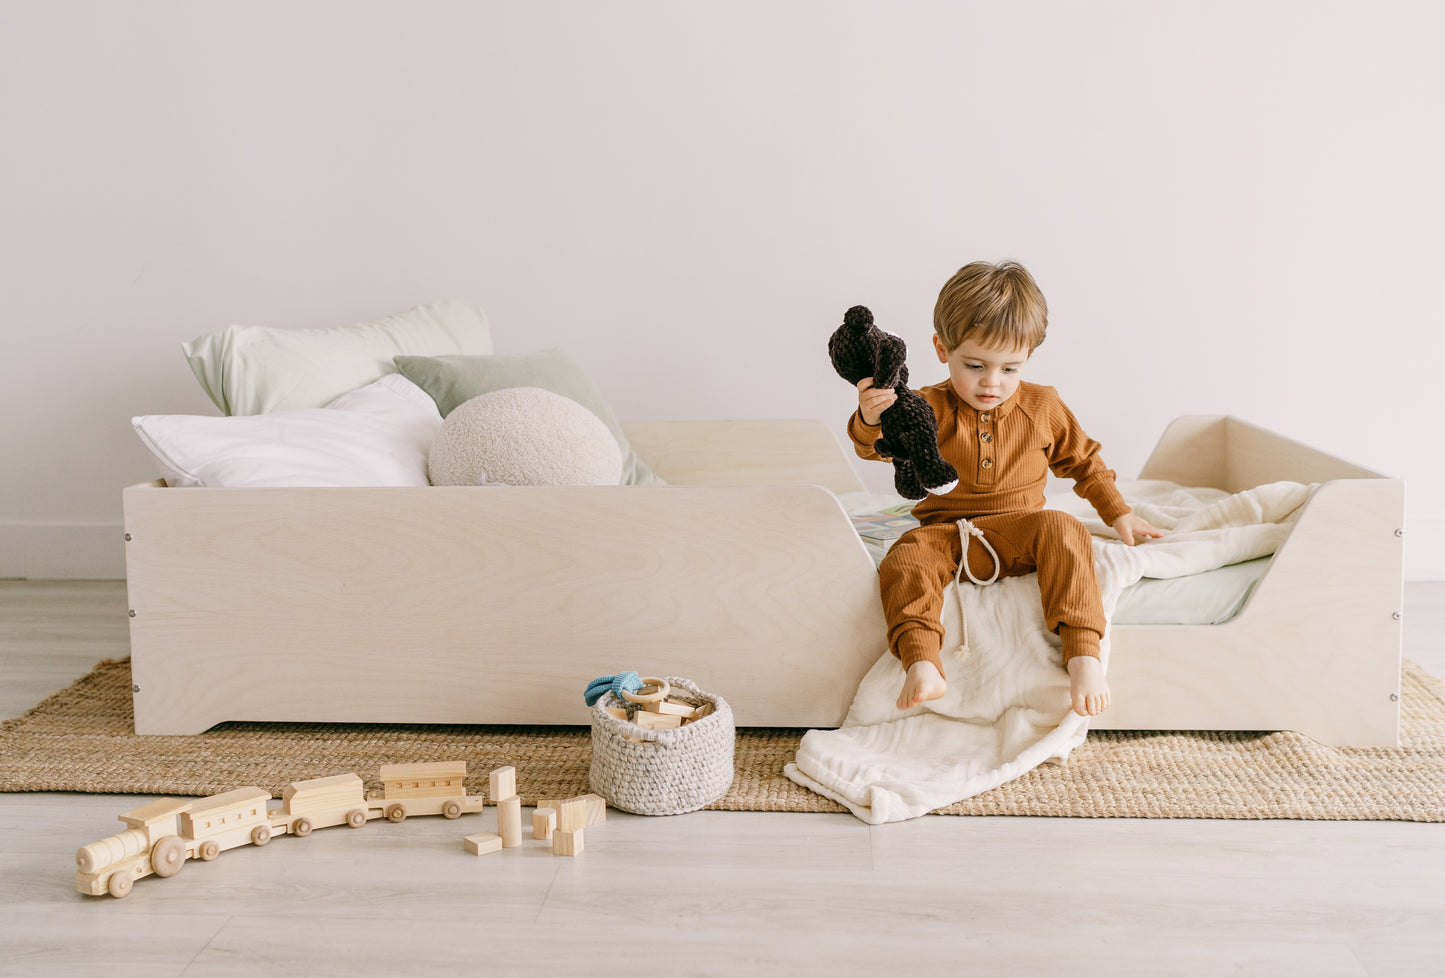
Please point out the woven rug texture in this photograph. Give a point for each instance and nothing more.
(80, 739)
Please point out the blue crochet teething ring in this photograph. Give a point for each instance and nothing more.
(626, 685)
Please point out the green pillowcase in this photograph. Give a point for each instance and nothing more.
(454, 379)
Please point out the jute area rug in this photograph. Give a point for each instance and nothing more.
(80, 740)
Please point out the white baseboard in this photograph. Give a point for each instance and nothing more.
(56, 551)
(96, 551)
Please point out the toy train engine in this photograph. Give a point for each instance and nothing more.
(436, 788)
(165, 833)
(113, 864)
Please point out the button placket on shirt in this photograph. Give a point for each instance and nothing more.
(985, 437)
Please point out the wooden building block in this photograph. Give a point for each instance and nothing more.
(671, 708)
(509, 821)
(655, 721)
(544, 820)
(572, 815)
(596, 808)
(620, 712)
(482, 843)
(567, 842)
(594, 805)
(502, 784)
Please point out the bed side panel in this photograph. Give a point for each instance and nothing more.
(491, 605)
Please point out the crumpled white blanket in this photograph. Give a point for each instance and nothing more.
(1007, 708)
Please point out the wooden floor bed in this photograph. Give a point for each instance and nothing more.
(499, 604)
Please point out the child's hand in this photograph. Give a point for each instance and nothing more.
(873, 401)
(1132, 529)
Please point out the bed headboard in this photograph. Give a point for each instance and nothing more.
(744, 453)
(1226, 453)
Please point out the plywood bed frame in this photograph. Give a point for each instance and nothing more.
(497, 605)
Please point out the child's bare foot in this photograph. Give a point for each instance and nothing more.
(923, 683)
(1087, 686)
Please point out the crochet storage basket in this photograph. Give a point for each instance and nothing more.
(662, 772)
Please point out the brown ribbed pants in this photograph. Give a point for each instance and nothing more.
(920, 564)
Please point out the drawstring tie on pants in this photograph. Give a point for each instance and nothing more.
(965, 530)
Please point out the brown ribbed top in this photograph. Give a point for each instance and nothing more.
(1004, 455)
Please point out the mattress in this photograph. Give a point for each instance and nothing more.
(1211, 598)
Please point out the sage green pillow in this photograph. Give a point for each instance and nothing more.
(454, 379)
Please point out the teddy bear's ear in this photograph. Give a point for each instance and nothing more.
(858, 316)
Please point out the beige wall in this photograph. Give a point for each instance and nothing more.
(1232, 207)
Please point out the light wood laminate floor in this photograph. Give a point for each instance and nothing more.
(714, 893)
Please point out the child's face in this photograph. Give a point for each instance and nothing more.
(983, 376)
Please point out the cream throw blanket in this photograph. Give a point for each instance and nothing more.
(1007, 707)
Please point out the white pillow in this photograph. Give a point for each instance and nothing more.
(377, 435)
(256, 369)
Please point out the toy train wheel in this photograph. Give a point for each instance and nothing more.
(168, 856)
(120, 884)
(209, 850)
(261, 835)
(302, 827)
(395, 813)
(452, 809)
(356, 818)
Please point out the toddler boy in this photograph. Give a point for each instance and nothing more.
(1004, 436)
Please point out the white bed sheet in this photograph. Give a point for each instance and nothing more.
(1210, 598)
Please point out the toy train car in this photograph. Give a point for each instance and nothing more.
(160, 836)
(435, 788)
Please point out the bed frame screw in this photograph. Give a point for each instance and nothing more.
(1395, 615)
(136, 689)
(132, 612)
(1399, 532)
(127, 538)
(1394, 697)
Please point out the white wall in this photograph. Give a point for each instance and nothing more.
(1232, 208)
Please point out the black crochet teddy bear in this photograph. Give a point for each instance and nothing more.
(860, 349)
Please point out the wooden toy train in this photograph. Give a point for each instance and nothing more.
(163, 834)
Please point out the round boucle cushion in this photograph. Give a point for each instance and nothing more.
(524, 436)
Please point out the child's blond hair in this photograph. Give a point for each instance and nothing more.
(996, 306)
